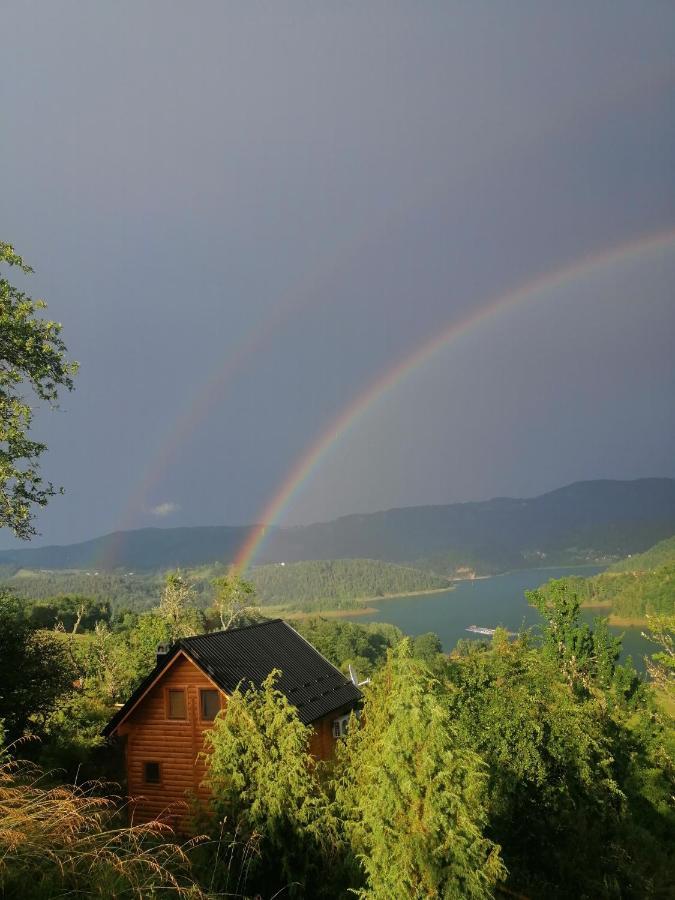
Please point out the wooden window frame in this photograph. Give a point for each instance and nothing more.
(153, 762)
(167, 703)
(220, 704)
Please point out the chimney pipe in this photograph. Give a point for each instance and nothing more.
(163, 650)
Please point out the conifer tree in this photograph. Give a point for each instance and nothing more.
(412, 798)
(265, 786)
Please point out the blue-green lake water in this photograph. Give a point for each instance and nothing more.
(488, 602)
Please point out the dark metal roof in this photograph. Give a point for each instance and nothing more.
(246, 656)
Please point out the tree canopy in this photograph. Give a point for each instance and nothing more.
(33, 356)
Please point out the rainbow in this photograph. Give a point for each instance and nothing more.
(385, 382)
(249, 346)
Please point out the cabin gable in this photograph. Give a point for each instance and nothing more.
(173, 744)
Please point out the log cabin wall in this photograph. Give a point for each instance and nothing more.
(153, 737)
(322, 744)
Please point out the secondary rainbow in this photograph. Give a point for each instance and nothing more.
(385, 382)
(300, 296)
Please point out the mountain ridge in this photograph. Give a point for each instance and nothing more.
(605, 518)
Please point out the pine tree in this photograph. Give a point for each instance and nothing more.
(266, 788)
(412, 798)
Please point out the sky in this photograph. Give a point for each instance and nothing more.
(244, 213)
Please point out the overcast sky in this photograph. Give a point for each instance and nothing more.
(244, 212)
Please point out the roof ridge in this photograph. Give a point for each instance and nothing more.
(229, 630)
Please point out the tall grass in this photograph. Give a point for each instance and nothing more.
(65, 841)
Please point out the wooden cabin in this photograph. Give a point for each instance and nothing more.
(162, 724)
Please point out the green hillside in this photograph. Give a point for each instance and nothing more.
(335, 582)
(635, 587)
(661, 554)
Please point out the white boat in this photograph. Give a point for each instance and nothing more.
(480, 629)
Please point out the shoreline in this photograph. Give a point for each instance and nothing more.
(627, 621)
(328, 613)
(617, 621)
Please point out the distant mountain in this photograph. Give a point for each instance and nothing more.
(146, 549)
(585, 521)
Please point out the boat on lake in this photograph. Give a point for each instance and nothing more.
(480, 629)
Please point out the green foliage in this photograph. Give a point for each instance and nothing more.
(134, 592)
(661, 632)
(35, 671)
(553, 793)
(339, 583)
(265, 787)
(70, 613)
(32, 354)
(413, 799)
(427, 647)
(581, 653)
(235, 601)
(176, 608)
(343, 643)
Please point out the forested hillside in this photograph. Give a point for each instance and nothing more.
(588, 521)
(317, 585)
(339, 580)
(635, 587)
(662, 554)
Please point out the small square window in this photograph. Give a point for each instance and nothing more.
(177, 706)
(210, 704)
(151, 773)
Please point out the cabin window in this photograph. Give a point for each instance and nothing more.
(340, 726)
(210, 704)
(177, 707)
(151, 772)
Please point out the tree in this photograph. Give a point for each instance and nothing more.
(412, 797)
(661, 665)
(554, 798)
(176, 607)
(265, 786)
(32, 354)
(35, 670)
(427, 647)
(582, 654)
(235, 601)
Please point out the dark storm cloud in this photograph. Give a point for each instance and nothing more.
(178, 175)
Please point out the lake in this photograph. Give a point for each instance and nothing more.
(489, 602)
